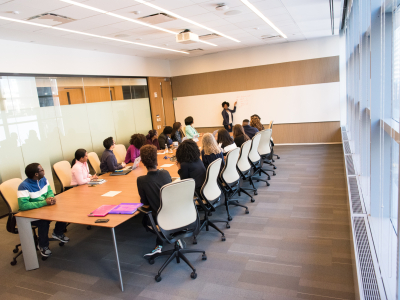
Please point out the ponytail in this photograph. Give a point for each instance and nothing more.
(80, 153)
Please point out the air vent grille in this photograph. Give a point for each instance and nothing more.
(209, 36)
(350, 165)
(367, 270)
(347, 149)
(157, 18)
(345, 137)
(355, 196)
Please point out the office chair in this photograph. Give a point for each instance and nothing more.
(210, 197)
(244, 168)
(255, 159)
(177, 218)
(230, 181)
(94, 161)
(272, 143)
(120, 153)
(264, 149)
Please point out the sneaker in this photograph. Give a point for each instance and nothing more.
(158, 249)
(61, 237)
(45, 251)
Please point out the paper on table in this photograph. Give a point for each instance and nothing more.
(166, 165)
(111, 193)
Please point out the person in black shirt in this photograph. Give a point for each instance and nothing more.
(250, 131)
(149, 188)
(239, 136)
(190, 164)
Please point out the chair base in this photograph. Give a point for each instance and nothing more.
(236, 203)
(178, 254)
(207, 224)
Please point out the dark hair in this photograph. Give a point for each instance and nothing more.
(238, 131)
(148, 154)
(189, 121)
(31, 170)
(175, 128)
(257, 116)
(224, 138)
(108, 142)
(223, 103)
(78, 155)
(137, 140)
(151, 134)
(167, 130)
(188, 151)
(246, 121)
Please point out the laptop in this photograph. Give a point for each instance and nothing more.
(136, 163)
(121, 172)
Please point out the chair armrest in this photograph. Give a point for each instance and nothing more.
(145, 210)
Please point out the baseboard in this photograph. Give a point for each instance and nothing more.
(302, 144)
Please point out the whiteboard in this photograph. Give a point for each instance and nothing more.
(294, 104)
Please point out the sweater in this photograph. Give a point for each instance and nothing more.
(33, 193)
(190, 132)
(131, 154)
(108, 162)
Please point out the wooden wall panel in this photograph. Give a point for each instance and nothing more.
(168, 103)
(156, 102)
(311, 71)
(318, 132)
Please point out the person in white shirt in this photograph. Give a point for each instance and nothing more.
(80, 168)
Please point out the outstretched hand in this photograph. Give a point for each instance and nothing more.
(235, 103)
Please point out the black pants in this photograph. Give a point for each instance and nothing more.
(227, 127)
(146, 223)
(43, 231)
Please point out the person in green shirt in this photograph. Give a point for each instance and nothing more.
(189, 130)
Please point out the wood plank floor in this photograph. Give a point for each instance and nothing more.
(293, 244)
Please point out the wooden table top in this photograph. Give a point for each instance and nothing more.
(74, 205)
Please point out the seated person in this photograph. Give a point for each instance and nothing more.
(108, 162)
(211, 151)
(255, 121)
(190, 131)
(250, 131)
(189, 163)
(165, 138)
(35, 192)
(239, 136)
(177, 134)
(80, 168)
(137, 141)
(152, 139)
(225, 141)
(149, 187)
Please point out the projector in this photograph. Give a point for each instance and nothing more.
(187, 37)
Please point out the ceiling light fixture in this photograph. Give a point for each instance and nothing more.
(258, 13)
(124, 18)
(88, 34)
(184, 19)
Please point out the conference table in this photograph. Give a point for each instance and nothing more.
(74, 205)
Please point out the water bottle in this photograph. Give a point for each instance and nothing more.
(166, 148)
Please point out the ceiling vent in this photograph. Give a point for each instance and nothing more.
(194, 50)
(157, 18)
(50, 19)
(209, 36)
(187, 37)
(271, 37)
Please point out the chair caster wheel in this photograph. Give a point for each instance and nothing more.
(89, 227)
(15, 250)
(194, 242)
(229, 218)
(157, 278)
(193, 275)
(274, 174)
(210, 214)
(228, 226)
(204, 257)
(255, 193)
(61, 244)
(268, 184)
(253, 200)
(258, 180)
(274, 168)
(13, 263)
(223, 238)
(246, 212)
(151, 261)
(44, 258)
(278, 157)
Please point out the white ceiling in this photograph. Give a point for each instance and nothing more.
(298, 19)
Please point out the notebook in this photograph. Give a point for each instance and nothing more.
(96, 181)
(126, 208)
(102, 211)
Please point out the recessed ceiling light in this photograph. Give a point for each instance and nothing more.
(265, 19)
(15, 12)
(256, 28)
(136, 12)
(124, 18)
(222, 7)
(232, 12)
(87, 34)
(185, 19)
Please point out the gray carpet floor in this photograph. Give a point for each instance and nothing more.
(293, 244)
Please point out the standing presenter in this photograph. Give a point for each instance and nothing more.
(227, 115)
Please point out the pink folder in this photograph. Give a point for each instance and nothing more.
(102, 211)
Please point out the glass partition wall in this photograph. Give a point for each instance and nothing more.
(46, 119)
